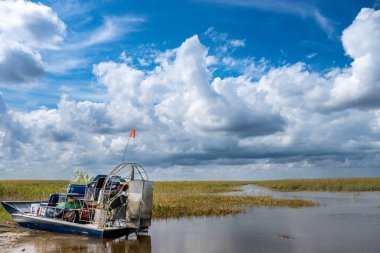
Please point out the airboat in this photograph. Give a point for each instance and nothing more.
(110, 206)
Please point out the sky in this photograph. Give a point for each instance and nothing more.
(216, 89)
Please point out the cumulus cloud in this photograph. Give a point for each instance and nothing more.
(26, 28)
(359, 85)
(12, 134)
(34, 25)
(181, 93)
(356, 86)
(18, 64)
(192, 122)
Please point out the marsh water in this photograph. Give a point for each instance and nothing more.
(344, 222)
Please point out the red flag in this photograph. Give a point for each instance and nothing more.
(133, 133)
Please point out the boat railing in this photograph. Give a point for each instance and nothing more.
(83, 213)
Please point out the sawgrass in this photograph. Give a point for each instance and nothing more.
(170, 199)
(327, 184)
(202, 198)
(28, 190)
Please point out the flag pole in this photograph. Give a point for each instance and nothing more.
(125, 150)
(131, 135)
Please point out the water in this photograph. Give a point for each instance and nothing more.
(344, 222)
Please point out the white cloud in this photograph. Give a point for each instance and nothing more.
(311, 55)
(31, 32)
(62, 63)
(125, 58)
(194, 122)
(298, 8)
(113, 28)
(376, 123)
(124, 93)
(359, 85)
(73, 8)
(29, 63)
(237, 43)
(224, 45)
(25, 29)
(33, 25)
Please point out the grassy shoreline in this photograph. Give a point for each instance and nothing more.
(202, 198)
(170, 200)
(323, 184)
(175, 199)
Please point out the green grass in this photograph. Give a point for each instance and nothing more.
(333, 184)
(170, 199)
(201, 198)
(28, 190)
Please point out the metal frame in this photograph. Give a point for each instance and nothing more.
(113, 188)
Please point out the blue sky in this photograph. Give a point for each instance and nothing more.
(273, 31)
(217, 89)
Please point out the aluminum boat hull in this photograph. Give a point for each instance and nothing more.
(31, 221)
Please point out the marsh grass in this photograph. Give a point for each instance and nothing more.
(202, 198)
(28, 190)
(170, 199)
(328, 184)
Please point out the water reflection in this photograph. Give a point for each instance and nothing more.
(141, 245)
(46, 242)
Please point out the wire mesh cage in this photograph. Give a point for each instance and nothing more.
(112, 202)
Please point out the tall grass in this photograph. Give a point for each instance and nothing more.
(201, 198)
(28, 190)
(327, 184)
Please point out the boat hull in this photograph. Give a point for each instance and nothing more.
(24, 219)
(59, 226)
(13, 207)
